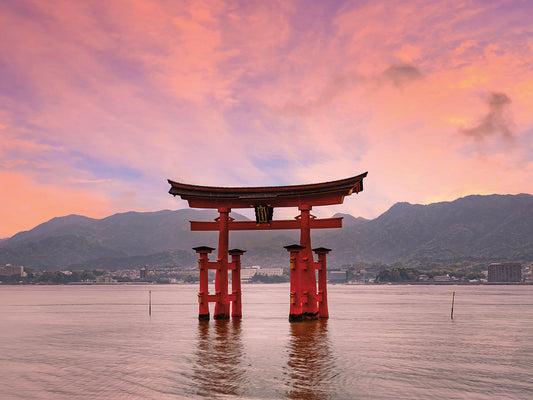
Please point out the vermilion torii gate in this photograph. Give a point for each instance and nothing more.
(305, 301)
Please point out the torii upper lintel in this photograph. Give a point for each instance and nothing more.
(317, 194)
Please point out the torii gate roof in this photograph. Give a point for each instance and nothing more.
(316, 194)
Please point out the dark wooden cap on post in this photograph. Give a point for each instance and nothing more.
(294, 247)
(203, 249)
(236, 252)
(321, 250)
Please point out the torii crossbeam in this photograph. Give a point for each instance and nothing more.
(306, 302)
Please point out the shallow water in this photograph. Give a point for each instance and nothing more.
(381, 342)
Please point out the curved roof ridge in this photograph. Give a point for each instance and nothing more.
(331, 192)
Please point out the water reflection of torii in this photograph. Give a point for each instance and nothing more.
(306, 302)
(311, 367)
(218, 369)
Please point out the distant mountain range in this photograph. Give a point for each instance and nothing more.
(474, 228)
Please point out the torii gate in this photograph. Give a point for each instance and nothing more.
(305, 301)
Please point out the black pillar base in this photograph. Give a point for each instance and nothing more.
(303, 317)
(296, 317)
(203, 317)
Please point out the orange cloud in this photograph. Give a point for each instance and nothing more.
(26, 203)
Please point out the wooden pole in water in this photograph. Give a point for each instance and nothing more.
(453, 300)
(149, 302)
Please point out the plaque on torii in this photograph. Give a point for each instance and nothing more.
(306, 302)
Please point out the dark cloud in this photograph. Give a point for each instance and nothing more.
(402, 74)
(496, 121)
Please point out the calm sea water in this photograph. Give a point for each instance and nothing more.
(381, 342)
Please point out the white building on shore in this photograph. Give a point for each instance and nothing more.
(10, 270)
(248, 272)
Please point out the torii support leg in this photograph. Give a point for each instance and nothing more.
(308, 277)
(222, 306)
(203, 262)
(295, 309)
(236, 306)
(322, 282)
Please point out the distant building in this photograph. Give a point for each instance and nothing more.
(336, 276)
(106, 279)
(10, 270)
(441, 278)
(143, 273)
(248, 273)
(270, 271)
(505, 272)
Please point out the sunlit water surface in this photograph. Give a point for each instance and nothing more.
(381, 342)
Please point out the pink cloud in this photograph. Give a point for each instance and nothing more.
(263, 93)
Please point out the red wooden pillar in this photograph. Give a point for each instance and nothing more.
(203, 303)
(236, 306)
(295, 310)
(322, 282)
(309, 299)
(221, 279)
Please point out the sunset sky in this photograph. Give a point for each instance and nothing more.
(102, 101)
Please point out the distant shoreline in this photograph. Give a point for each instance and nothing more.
(262, 283)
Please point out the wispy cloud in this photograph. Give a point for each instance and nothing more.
(88, 181)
